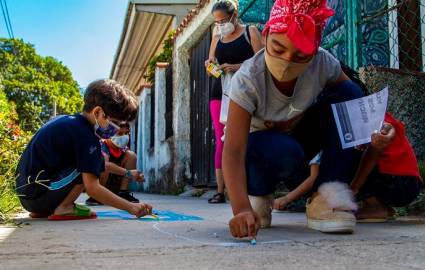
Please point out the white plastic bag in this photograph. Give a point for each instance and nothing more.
(226, 81)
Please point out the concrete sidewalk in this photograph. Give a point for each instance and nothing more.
(207, 244)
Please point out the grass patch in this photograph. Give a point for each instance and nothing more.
(9, 202)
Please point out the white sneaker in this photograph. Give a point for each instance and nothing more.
(262, 206)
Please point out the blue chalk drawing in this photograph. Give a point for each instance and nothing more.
(167, 216)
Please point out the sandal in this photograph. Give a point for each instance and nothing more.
(217, 198)
(79, 212)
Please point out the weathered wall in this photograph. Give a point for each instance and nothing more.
(155, 162)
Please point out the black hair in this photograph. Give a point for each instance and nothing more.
(225, 6)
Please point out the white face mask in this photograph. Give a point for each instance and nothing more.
(121, 141)
(225, 29)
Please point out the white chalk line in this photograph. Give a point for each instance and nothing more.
(221, 244)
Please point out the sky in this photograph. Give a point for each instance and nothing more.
(82, 34)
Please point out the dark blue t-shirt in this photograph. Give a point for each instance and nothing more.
(63, 145)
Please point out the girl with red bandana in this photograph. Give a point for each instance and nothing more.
(280, 117)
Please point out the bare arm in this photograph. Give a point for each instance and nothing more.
(114, 168)
(245, 222)
(302, 189)
(237, 130)
(372, 155)
(100, 193)
(305, 186)
(256, 41)
(368, 162)
(211, 54)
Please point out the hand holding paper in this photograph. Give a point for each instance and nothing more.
(358, 119)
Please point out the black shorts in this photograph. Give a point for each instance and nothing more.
(46, 202)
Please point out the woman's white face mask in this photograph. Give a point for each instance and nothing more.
(225, 29)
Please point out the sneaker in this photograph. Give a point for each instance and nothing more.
(262, 206)
(128, 196)
(331, 209)
(92, 202)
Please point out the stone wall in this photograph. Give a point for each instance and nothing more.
(406, 101)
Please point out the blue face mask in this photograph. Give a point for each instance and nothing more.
(106, 133)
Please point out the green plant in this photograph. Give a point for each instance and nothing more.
(12, 143)
(165, 56)
(34, 83)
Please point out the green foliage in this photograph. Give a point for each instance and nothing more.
(34, 83)
(29, 85)
(166, 56)
(12, 143)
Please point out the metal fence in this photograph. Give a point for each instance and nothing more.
(382, 33)
(402, 35)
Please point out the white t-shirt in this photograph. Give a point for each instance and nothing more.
(253, 89)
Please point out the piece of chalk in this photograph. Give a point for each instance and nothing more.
(253, 242)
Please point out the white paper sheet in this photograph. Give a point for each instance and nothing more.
(358, 119)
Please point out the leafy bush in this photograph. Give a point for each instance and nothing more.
(29, 85)
(166, 56)
(12, 143)
(34, 83)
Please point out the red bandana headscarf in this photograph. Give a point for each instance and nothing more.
(302, 20)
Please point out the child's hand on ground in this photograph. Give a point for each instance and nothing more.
(244, 224)
(141, 209)
(383, 139)
(281, 203)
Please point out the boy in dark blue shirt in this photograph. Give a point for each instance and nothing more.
(64, 157)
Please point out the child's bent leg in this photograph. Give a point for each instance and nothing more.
(391, 190)
(317, 131)
(271, 157)
(130, 163)
(67, 205)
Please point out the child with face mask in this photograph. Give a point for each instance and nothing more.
(120, 164)
(280, 118)
(232, 44)
(64, 157)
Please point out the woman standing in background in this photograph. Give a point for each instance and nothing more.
(232, 44)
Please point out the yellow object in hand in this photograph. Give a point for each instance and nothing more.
(214, 70)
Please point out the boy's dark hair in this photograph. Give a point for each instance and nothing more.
(116, 101)
(225, 6)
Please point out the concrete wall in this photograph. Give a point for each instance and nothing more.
(155, 162)
(187, 39)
